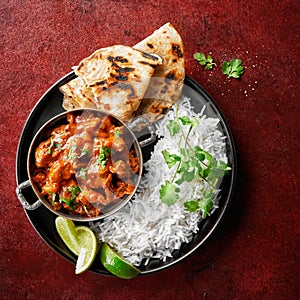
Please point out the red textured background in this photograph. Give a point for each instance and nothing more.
(255, 253)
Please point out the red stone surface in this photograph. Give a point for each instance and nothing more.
(255, 253)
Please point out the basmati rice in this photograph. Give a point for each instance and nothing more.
(147, 228)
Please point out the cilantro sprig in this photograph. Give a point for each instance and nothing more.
(207, 62)
(74, 190)
(103, 156)
(193, 163)
(234, 68)
(53, 146)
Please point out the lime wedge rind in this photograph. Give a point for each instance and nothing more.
(66, 230)
(88, 248)
(116, 264)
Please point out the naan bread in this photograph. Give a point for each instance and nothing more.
(118, 79)
(115, 79)
(77, 95)
(166, 85)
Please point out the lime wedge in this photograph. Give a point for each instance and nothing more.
(66, 230)
(88, 248)
(116, 264)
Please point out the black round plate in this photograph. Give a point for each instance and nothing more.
(43, 220)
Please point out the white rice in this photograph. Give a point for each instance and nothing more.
(146, 227)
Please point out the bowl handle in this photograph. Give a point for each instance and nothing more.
(22, 199)
(138, 125)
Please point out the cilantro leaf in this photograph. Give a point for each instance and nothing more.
(103, 156)
(207, 62)
(57, 146)
(74, 190)
(84, 152)
(71, 153)
(187, 172)
(53, 196)
(192, 206)
(193, 163)
(234, 68)
(203, 155)
(82, 173)
(170, 159)
(67, 201)
(169, 193)
(187, 121)
(173, 127)
(205, 204)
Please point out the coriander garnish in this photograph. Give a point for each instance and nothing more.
(193, 163)
(207, 62)
(234, 68)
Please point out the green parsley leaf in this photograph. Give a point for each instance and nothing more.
(67, 201)
(169, 193)
(75, 190)
(192, 206)
(51, 145)
(187, 121)
(206, 203)
(82, 173)
(84, 152)
(193, 163)
(173, 127)
(203, 155)
(103, 156)
(187, 172)
(207, 62)
(234, 68)
(170, 159)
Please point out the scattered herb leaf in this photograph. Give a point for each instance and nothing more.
(234, 68)
(192, 206)
(207, 62)
(74, 190)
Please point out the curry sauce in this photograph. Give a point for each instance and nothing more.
(86, 165)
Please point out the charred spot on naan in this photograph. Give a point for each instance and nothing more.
(177, 51)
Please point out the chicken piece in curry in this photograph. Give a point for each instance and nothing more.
(86, 164)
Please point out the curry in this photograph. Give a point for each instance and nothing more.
(87, 164)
